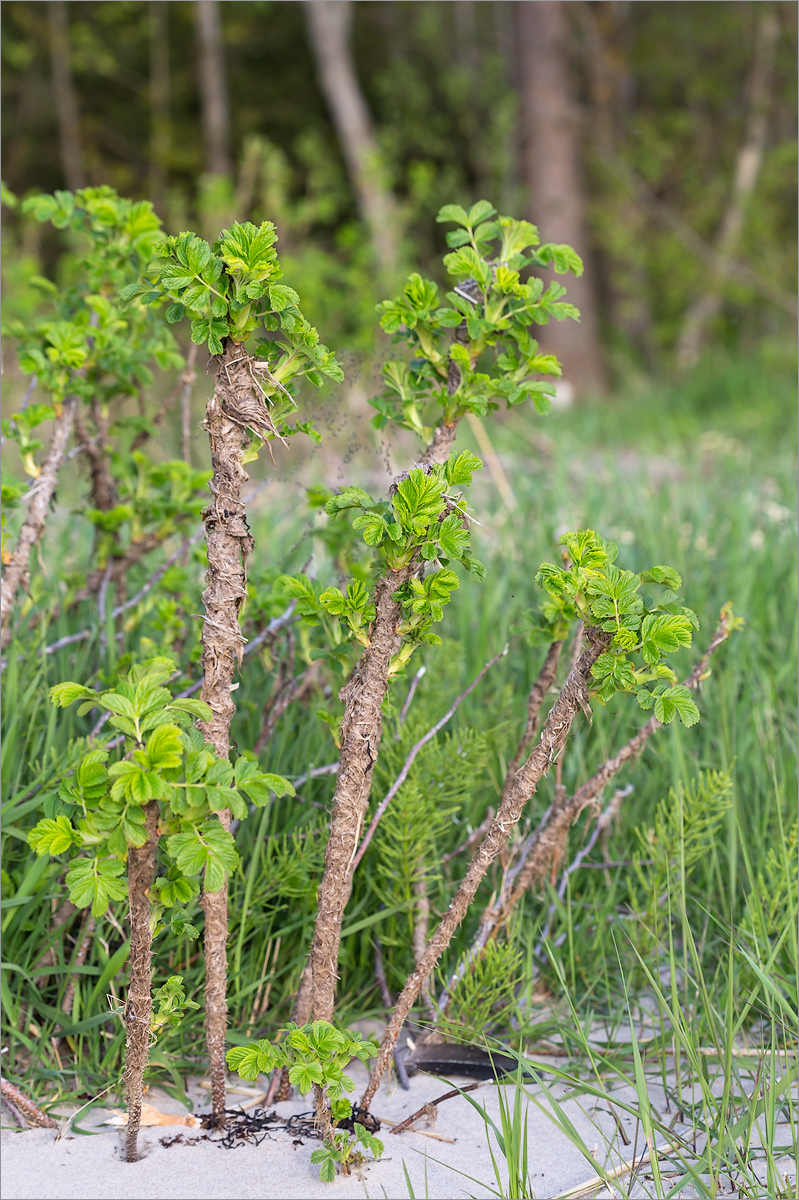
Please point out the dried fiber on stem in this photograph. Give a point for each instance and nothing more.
(572, 699)
(141, 873)
(545, 850)
(360, 739)
(411, 756)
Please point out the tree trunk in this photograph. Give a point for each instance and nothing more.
(229, 545)
(747, 168)
(551, 152)
(41, 493)
(329, 24)
(66, 106)
(141, 873)
(213, 88)
(159, 103)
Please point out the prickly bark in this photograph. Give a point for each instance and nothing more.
(544, 846)
(572, 699)
(42, 491)
(546, 677)
(141, 873)
(230, 410)
(361, 730)
(31, 1112)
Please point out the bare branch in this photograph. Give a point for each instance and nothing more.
(41, 493)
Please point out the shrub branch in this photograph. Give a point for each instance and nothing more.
(572, 699)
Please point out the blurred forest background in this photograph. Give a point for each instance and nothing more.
(658, 138)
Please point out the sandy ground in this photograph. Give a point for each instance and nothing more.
(36, 1166)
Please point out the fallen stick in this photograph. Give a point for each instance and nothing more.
(424, 1110)
(421, 1132)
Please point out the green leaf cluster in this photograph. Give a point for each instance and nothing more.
(315, 1056)
(169, 1005)
(424, 519)
(230, 290)
(588, 586)
(493, 303)
(98, 813)
(85, 345)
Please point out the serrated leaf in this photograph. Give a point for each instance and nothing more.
(195, 708)
(348, 497)
(452, 537)
(663, 634)
(64, 694)
(666, 576)
(453, 212)
(372, 526)
(165, 748)
(52, 836)
(459, 468)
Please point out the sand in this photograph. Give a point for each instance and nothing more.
(36, 1166)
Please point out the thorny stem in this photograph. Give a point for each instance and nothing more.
(361, 731)
(411, 756)
(41, 493)
(546, 677)
(545, 850)
(573, 698)
(141, 873)
(544, 846)
(20, 1103)
(229, 412)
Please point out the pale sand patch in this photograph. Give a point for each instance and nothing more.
(36, 1167)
